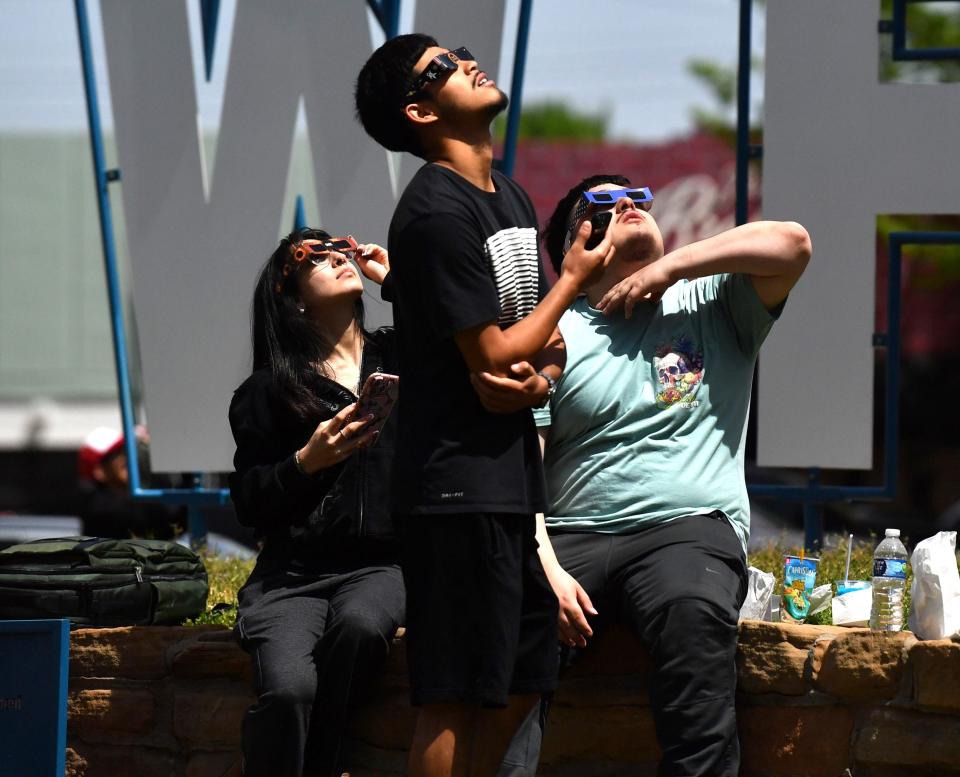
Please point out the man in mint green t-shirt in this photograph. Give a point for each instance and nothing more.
(644, 435)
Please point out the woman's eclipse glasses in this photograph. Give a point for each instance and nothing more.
(316, 253)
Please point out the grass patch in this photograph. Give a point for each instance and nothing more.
(226, 575)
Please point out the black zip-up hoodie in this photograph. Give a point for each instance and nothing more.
(339, 511)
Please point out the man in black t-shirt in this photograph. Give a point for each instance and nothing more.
(469, 297)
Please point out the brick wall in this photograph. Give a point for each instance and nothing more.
(814, 701)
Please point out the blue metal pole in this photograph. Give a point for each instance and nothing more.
(102, 178)
(299, 214)
(392, 12)
(388, 15)
(196, 518)
(891, 447)
(209, 14)
(743, 111)
(813, 517)
(899, 28)
(109, 249)
(516, 88)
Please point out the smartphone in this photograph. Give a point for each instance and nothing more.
(377, 398)
(599, 223)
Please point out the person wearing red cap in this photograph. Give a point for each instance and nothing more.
(106, 507)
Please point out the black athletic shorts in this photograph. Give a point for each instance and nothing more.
(481, 616)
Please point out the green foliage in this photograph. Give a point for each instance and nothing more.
(943, 261)
(829, 570)
(721, 82)
(926, 28)
(551, 120)
(226, 575)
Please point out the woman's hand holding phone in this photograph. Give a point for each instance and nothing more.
(377, 397)
(335, 440)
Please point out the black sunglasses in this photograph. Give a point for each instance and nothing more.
(439, 66)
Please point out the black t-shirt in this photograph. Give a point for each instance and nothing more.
(460, 257)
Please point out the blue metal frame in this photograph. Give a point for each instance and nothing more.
(898, 27)
(814, 495)
(194, 498)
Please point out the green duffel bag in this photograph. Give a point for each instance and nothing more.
(95, 581)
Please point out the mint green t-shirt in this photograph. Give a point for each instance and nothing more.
(648, 421)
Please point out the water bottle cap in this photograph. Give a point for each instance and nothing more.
(892, 533)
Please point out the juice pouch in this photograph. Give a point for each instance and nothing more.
(799, 579)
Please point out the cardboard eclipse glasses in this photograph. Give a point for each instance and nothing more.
(642, 197)
(317, 253)
(439, 66)
(610, 196)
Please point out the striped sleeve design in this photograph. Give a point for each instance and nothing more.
(514, 264)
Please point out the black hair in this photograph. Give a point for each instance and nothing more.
(285, 341)
(380, 93)
(555, 230)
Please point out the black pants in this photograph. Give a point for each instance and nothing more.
(481, 615)
(679, 587)
(313, 637)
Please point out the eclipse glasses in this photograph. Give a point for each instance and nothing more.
(641, 197)
(439, 66)
(604, 200)
(316, 252)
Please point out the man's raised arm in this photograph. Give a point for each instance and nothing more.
(773, 253)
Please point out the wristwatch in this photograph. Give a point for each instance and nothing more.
(551, 387)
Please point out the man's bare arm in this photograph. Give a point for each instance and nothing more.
(773, 253)
(523, 387)
(575, 604)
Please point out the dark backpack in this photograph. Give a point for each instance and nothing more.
(102, 582)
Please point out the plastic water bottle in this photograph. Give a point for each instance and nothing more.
(889, 582)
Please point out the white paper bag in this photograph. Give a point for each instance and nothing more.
(759, 592)
(935, 593)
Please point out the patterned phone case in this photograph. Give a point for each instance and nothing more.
(377, 398)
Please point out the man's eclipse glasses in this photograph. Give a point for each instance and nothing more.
(439, 66)
(642, 197)
(607, 196)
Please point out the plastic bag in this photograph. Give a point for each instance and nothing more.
(935, 610)
(756, 606)
(820, 598)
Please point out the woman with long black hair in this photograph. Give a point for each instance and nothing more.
(326, 596)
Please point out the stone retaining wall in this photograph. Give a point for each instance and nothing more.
(814, 701)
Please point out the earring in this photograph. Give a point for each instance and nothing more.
(301, 308)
